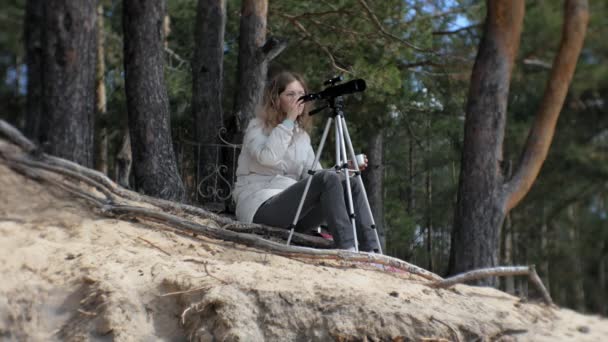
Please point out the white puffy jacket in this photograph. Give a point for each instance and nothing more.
(270, 161)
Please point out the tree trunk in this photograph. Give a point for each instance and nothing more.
(124, 159)
(69, 50)
(154, 163)
(374, 181)
(255, 52)
(33, 50)
(602, 268)
(478, 211)
(575, 264)
(429, 199)
(483, 196)
(251, 69)
(410, 185)
(101, 160)
(207, 78)
(509, 284)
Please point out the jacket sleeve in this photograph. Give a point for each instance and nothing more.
(267, 150)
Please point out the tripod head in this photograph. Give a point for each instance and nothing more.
(333, 93)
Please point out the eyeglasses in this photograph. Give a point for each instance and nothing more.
(293, 94)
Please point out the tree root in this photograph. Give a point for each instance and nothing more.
(530, 271)
(31, 162)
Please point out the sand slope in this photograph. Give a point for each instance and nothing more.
(71, 274)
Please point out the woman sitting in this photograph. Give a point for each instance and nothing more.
(273, 166)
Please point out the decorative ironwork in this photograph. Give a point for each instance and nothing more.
(213, 185)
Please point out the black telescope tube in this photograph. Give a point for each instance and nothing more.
(349, 87)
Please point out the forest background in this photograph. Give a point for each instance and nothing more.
(417, 58)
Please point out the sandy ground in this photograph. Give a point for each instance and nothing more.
(71, 274)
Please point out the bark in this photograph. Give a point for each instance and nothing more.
(69, 51)
(101, 162)
(483, 196)
(33, 51)
(207, 78)
(509, 284)
(374, 181)
(154, 162)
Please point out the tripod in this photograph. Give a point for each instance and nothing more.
(342, 142)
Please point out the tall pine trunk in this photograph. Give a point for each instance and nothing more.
(207, 78)
(154, 162)
(484, 196)
(69, 51)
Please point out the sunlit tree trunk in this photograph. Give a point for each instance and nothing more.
(484, 195)
(154, 162)
(69, 55)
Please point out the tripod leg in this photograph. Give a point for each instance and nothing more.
(358, 176)
(311, 172)
(351, 206)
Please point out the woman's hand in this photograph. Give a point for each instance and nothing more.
(362, 166)
(295, 108)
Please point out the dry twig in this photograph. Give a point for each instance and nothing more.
(153, 245)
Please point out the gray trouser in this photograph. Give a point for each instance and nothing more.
(326, 202)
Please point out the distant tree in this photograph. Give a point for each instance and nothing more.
(154, 164)
(207, 76)
(374, 180)
(68, 73)
(484, 195)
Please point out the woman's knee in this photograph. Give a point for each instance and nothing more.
(327, 177)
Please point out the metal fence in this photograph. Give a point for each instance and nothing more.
(211, 185)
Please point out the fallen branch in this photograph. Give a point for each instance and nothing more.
(530, 271)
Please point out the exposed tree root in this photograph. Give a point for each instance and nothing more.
(117, 201)
(530, 271)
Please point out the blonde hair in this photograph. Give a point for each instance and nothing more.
(271, 112)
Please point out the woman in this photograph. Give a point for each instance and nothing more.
(273, 167)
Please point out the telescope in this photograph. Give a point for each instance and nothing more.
(349, 87)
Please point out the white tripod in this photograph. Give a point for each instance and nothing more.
(342, 142)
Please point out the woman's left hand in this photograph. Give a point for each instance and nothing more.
(362, 166)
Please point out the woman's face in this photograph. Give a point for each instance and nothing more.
(289, 97)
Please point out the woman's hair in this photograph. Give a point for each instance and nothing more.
(271, 112)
